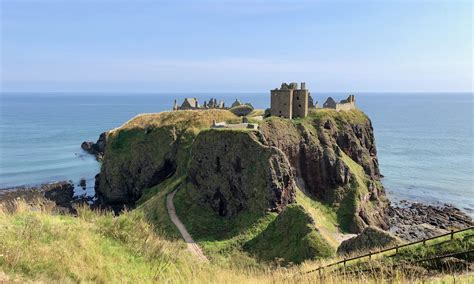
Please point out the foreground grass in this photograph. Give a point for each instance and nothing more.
(99, 247)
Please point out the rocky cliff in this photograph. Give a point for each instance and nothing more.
(335, 161)
(329, 155)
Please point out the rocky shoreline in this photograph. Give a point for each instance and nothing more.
(414, 221)
(59, 196)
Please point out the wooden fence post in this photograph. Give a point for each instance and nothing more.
(396, 249)
(370, 255)
(452, 234)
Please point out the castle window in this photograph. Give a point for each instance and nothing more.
(298, 98)
(299, 105)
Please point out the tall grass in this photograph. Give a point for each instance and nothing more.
(99, 247)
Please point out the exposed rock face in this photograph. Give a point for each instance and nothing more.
(370, 238)
(319, 152)
(232, 172)
(97, 148)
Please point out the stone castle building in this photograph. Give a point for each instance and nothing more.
(289, 101)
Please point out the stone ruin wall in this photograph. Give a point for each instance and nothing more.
(345, 106)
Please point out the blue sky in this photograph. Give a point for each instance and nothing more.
(206, 46)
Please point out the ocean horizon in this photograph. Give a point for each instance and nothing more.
(424, 140)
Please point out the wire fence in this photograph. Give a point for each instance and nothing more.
(396, 248)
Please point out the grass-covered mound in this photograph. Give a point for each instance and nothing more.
(291, 237)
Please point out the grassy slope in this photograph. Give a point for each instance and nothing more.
(324, 216)
(93, 247)
(292, 237)
(351, 202)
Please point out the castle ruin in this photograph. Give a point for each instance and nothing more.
(192, 103)
(346, 104)
(289, 101)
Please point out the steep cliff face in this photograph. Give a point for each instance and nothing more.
(232, 171)
(148, 149)
(335, 161)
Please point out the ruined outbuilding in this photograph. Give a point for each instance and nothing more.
(346, 104)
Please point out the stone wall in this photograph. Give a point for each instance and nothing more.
(345, 106)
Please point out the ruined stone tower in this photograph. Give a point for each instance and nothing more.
(289, 101)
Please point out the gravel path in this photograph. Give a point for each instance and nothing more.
(192, 246)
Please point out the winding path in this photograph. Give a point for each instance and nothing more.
(192, 246)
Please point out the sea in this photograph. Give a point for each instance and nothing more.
(424, 141)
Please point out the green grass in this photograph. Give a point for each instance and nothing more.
(340, 117)
(100, 247)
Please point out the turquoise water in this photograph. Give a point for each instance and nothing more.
(424, 141)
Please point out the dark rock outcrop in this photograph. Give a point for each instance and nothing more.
(97, 148)
(232, 172)
(371, 238)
